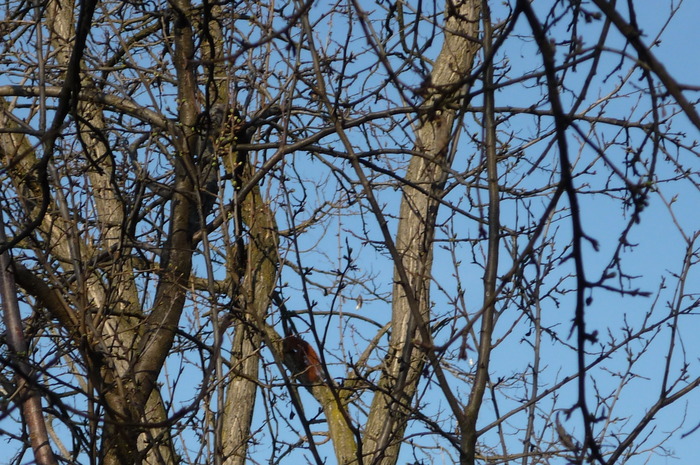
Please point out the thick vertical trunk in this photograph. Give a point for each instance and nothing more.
(254, 273)
(391, 405)
(135, 347)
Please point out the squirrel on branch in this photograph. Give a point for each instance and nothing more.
(302, 359)
(299, 356)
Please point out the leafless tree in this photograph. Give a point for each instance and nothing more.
(350, 232)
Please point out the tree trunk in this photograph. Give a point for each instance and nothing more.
(391, 405)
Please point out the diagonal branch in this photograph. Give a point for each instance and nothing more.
(28, 398)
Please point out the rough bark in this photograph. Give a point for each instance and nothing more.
(253, 278)
(115, 326)
(252, 273)
(391, 405)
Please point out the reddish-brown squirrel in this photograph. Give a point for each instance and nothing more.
(299, 354)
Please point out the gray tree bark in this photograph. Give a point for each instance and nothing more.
(424, 185)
